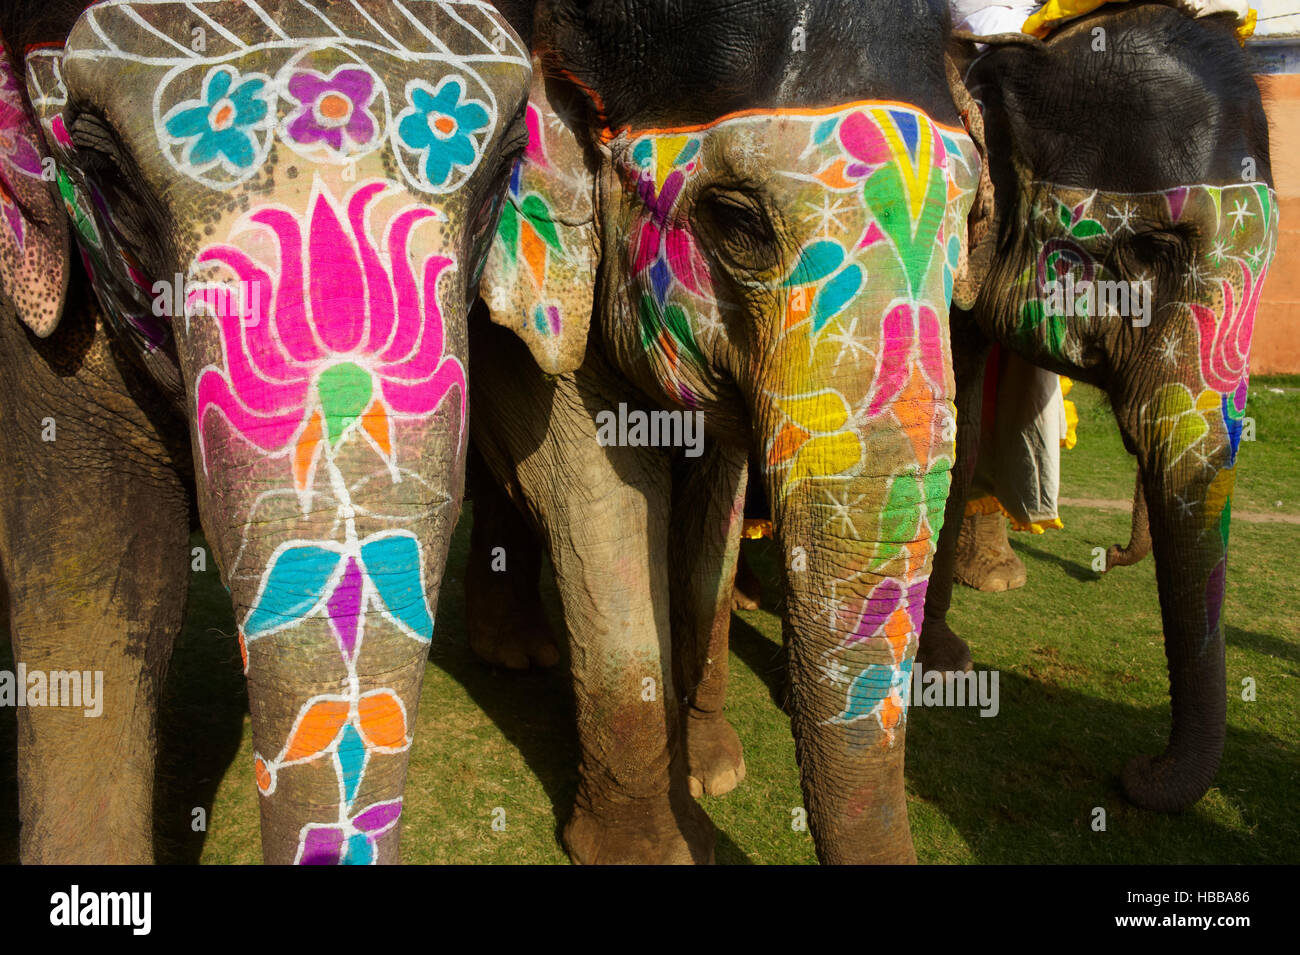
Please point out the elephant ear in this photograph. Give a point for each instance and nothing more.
(539, 279)
(976, 253)
(34, 245)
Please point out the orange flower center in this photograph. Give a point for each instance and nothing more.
(445, 125)
(334, 106)
(223, 115)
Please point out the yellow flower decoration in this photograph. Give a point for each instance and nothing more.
(1182, 420)
(815, 439)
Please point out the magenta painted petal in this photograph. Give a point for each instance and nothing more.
(863, 139)
(647, 246)
(930, 340)
(378, 818)
(406, 331)
(24, 156)
(263, 351)
(684, 259)
(896, 334)
(916, 603)
(344, 606)
(290, 309)
(361, 128)
(429, 351)
(668, 195)
(306, 87)
(354, 83)
(259, 394)
(379, 289)
(880, 604)
(306, 130)
(268, 432)
(536, 151)
(323, 845)
(338, 292)
(419, 398)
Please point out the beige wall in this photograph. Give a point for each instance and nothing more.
(1276, 346)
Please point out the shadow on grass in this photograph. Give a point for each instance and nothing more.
(1261, 643)
(534, 708)
(1076, 571)
(1022, 787)
(200, 720)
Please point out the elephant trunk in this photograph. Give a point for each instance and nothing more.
(856, 555)
(335, 608)
(1188, 492)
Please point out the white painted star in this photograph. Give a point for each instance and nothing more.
(1239, 213)
(851, 343)
(1123, 217)
(842, 511)
(1219, 251)
(708, 322)
(827, 215)
(1169, 348)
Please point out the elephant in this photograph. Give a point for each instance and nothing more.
(1151, 179)
(283, 211)
(750, 226)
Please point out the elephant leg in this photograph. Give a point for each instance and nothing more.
(503, 607)
(747, 594)
(704, 541)
(94, 526)
(985, 560)
(940, 648)
(604, 512)
(1139, 542)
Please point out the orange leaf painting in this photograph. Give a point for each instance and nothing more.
(316, 729)
(383, 724)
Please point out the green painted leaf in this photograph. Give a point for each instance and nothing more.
(1087, 228)
(539, 214)
(935, 485)
(345, 391)
(508, 230)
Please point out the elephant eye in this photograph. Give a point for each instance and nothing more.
(735, 226)
(104, 169)
(1163, 252)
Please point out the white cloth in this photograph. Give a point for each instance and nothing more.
(984, 19)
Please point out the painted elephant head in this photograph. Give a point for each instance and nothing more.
(284, 210)
(1135, 223)
(779, 214)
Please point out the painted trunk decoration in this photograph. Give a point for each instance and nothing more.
(1188, 412)
(329, 182)
(849, 384)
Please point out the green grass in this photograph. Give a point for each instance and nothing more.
(1082, 683)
